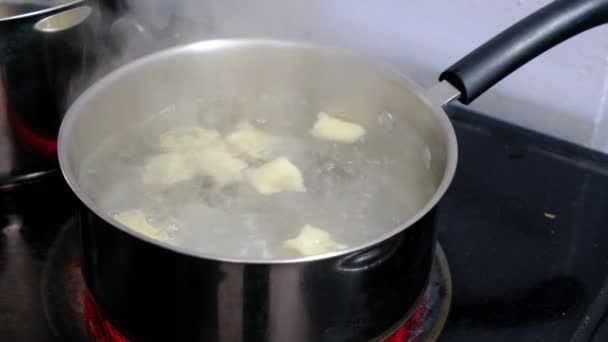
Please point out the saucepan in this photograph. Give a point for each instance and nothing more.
(42, 48)
(154, 290)
(49, 51)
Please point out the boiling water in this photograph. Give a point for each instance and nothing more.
(356, 192)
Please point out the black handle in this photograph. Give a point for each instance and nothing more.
(522, 42)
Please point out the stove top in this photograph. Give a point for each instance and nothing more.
(522, 228)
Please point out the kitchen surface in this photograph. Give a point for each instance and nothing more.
(184, 173)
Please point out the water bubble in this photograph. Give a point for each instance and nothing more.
(427, 158)
(386, 120)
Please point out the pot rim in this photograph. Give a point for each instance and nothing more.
(209, 45)
(64, 5)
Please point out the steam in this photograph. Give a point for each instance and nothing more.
(135, 28)
(144, 26)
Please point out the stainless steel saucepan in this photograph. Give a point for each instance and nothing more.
(153, 291)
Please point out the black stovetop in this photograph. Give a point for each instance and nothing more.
(523, 227)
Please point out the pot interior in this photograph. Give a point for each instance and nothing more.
(365, 190)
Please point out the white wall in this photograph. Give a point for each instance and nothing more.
(562, 93)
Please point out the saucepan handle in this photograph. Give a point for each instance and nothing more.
(522, 42)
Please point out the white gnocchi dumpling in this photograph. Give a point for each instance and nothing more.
(183, 138)
(278, 175)
(137, 221)
(250, 141)
(313, 241)
(166, 169)
(221, 165)
(333, 129)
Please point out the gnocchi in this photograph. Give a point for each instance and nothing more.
(278, 175)
(330, 128)
(250, 141)
(221, 165)
(183, 138)
(136, 220)
(166, 169)
(312, 241)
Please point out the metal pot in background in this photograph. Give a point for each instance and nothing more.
(49, 50)
(41, 47)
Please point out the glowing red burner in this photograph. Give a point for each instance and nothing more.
(409, 329)
(100, 330)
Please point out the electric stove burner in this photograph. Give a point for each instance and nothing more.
(428, 318)
(73, 314)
